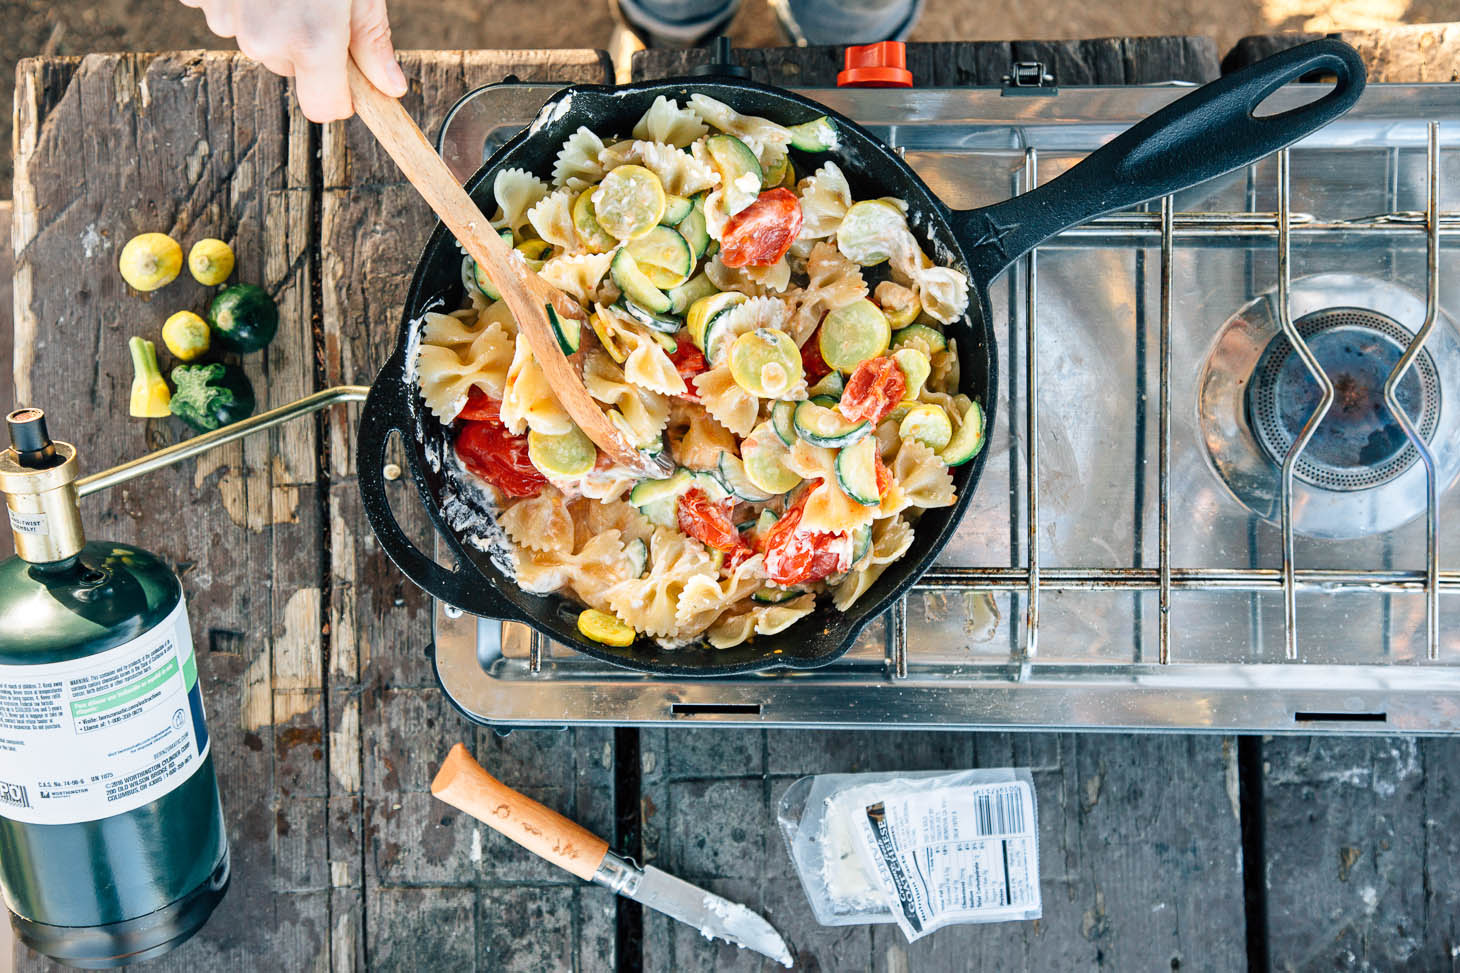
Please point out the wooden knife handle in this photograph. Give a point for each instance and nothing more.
(462, 783)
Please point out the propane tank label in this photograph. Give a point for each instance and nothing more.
(94, 737)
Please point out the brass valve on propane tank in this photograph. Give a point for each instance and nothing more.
(38, 478)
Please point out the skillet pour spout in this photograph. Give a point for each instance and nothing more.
(1207, 133)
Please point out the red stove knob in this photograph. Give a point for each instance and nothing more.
(880, 65)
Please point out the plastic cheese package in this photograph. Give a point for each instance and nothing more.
(925, 850)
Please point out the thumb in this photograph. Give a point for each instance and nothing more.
(371, 46)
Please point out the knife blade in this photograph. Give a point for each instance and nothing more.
(464, 784)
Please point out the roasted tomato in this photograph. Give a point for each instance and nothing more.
(494, 454)
(812, 363)
(884, 477)
(801, 557)
(479, 406)
(689, 361)
(760, 234)
(707, 521)
(873, 391)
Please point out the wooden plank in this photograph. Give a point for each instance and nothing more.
(1110, 60)
(1139, 840)
(1408, 54)
(194, 144)
(425, 867)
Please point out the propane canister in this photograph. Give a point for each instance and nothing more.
(112, 843)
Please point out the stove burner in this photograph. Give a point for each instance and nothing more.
(1359, 444)
(1359, 474)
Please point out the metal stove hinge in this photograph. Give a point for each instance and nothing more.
(176, 453)
(1029, 78)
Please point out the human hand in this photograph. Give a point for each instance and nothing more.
(310, 41)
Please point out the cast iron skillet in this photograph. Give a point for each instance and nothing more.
(1207, 133)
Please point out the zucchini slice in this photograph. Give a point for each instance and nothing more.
(764, 461)
(635, 286)
(828, 401)
(817, 135)
(831, 384)
(867, 231)
(775, 596)
(852, 334)
(629, 202)
(968, 440)
(737, 480)
(822, 426)
(568, 331)
(776, 174)
(740, 173)
(570, 455)
(662, 513)
(476, 279)
(646, 492)
(781, 421)
(664, 341)
(676, 208)
(605, 339)
(919, 336)
(694, 228)
(706, 309)
(856, 471)
(664, 257)
(637, 553)
(698, 286)
(655, 322)
(594, 236)
(915, 368)
(861, 542)
(605, 629)
(765, 362)
(709, 481)
(928, 424)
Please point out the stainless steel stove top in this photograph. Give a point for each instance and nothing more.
(1147, 595)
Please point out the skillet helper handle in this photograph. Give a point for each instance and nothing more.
(462, 783)
(1208, 133)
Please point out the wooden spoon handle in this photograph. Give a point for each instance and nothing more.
(462, 783)
(526, 294)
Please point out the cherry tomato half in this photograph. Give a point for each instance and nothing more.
(873, 391)
(812, 363)
(884, 477)
(689, 361)
(494, 454)
(760, 234)
(799, 557)
(480, 406)
(707, 521)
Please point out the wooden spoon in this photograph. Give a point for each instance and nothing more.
(527, 295)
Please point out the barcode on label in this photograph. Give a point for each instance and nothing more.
(999, 812)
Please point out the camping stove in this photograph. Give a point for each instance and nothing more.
(1218, 490)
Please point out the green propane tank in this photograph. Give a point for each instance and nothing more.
(112, 845)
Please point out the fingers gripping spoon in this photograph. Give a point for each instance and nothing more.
(462, 783)
(530, 298)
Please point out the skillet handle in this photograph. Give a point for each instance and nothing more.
(386, 410)
(1207, 133)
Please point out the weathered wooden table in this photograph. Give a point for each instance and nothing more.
(1164, 852)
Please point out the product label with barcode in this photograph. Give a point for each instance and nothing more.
(955, 854)
(101, 735)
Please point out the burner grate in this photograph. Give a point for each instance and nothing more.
(1359, 445)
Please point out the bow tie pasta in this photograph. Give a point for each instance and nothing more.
(779, 340)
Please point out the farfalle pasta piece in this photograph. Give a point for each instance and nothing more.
(705, 598)
(825, 199)
(516, 191)
(594, 517)
(589, 573)
(552, 218)
(541, 523)
(944, 376)
(527, 398)
(766, 139)
(640, 413)
(665, 121)
(456, 357)
(833, 282)
(577, 275)
(577, 164)
(923, 478)
(680, 173)
(855, 585)
(728, 403)
(827, 509)
(749, 619)
(649, 604)
(942, 290)
(645, 364)
(703, 443)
